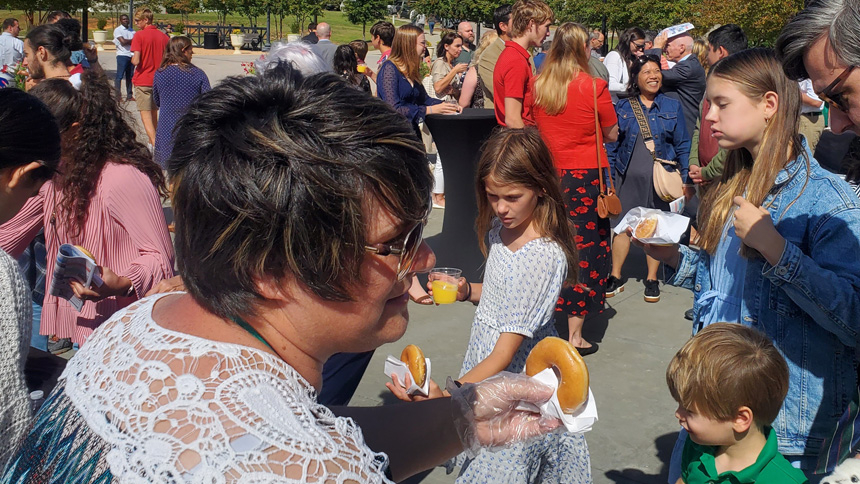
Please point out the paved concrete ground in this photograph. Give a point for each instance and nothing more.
(633, 439)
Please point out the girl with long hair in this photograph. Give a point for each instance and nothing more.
(777, 241)
(447, 76)
(345, 64)
(176, 83)
(105, 198)
(631, 44)
(633, 164)
(531, 253)
(399, 79)
(564, 110)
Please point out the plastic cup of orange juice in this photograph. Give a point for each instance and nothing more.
(444, 283)
(361, 68)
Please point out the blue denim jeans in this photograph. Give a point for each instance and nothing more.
(124, 68)
(38, 341)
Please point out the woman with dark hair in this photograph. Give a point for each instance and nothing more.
(346, 66)
(631, 45)
(105, 199)
(219, 383)
(632, 162)
(446, 76)
(29, 155)
(399, 79)
(175, 84)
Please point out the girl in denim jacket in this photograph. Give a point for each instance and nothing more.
(779, 248)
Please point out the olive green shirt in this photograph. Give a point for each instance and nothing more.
(486, 64)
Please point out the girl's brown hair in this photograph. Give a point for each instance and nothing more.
(567, 57)
(755, 72)
(176, 52)
(519, 156)
(403, 52)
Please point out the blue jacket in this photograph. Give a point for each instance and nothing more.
(666, 120)
(808, 304)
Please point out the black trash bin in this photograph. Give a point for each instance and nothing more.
(210, 40)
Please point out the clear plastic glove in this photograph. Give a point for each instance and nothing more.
(486, 415)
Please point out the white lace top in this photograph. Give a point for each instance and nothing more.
(178, 408)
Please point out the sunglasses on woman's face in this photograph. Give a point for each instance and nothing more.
(835, 98)
(407, 251)
(637, 46)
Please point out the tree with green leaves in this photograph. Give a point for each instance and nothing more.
(222, 8)
(36, 10)
(364, 11)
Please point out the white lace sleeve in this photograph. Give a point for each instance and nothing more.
(181, 409)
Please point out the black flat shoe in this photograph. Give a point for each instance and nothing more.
(587, 351)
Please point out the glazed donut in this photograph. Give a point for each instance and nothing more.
(646, 228)
(86, 252)
(414, 359)
(552, 352)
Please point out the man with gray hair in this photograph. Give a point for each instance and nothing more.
(822, 43)
(686, 80)
(466, 31)
(596, 40)
(324, 47)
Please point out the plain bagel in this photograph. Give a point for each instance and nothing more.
(414, 359)
(552, 352)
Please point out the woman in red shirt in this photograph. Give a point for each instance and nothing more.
(563, 107)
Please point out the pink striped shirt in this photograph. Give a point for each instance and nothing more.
(125, 230)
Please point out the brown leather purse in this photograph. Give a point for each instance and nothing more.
(608, 203)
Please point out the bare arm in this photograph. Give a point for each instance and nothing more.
(135, 59)
(499, 359)
(468, 89)
(610, 134)
(514, 113)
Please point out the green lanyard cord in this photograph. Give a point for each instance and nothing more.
(253, 332)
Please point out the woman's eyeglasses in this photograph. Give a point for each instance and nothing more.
(406, 251)
(835, 98)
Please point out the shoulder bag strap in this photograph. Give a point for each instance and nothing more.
(598, 133)
(643, 124)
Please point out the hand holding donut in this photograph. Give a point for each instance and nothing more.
(486, 414)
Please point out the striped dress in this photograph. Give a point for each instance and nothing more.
(125, 230)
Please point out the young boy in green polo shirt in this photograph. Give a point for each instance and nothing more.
(729, 381)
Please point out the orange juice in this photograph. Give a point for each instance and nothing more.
(444, 292)
(361, 68)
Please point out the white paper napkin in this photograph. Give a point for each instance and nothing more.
(670, 226)
(393, 366)
(578, 422)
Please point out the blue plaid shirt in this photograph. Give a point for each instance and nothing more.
(33, 263)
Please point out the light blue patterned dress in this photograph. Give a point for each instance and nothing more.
(519, 296)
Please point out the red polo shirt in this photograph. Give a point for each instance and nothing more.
(511, 78)
(150, 42)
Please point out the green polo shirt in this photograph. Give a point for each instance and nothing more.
(770, 467)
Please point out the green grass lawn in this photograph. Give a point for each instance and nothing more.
(342, 30)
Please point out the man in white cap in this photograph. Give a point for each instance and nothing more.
(686, 80)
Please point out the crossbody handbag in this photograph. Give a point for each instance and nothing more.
(608, 203)
(667, 184)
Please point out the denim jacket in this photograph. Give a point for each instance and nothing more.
(808, 303)
(666, 121)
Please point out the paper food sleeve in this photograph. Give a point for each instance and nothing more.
(393, 366)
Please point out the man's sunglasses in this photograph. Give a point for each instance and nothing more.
(407, 250)
(835, 98)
